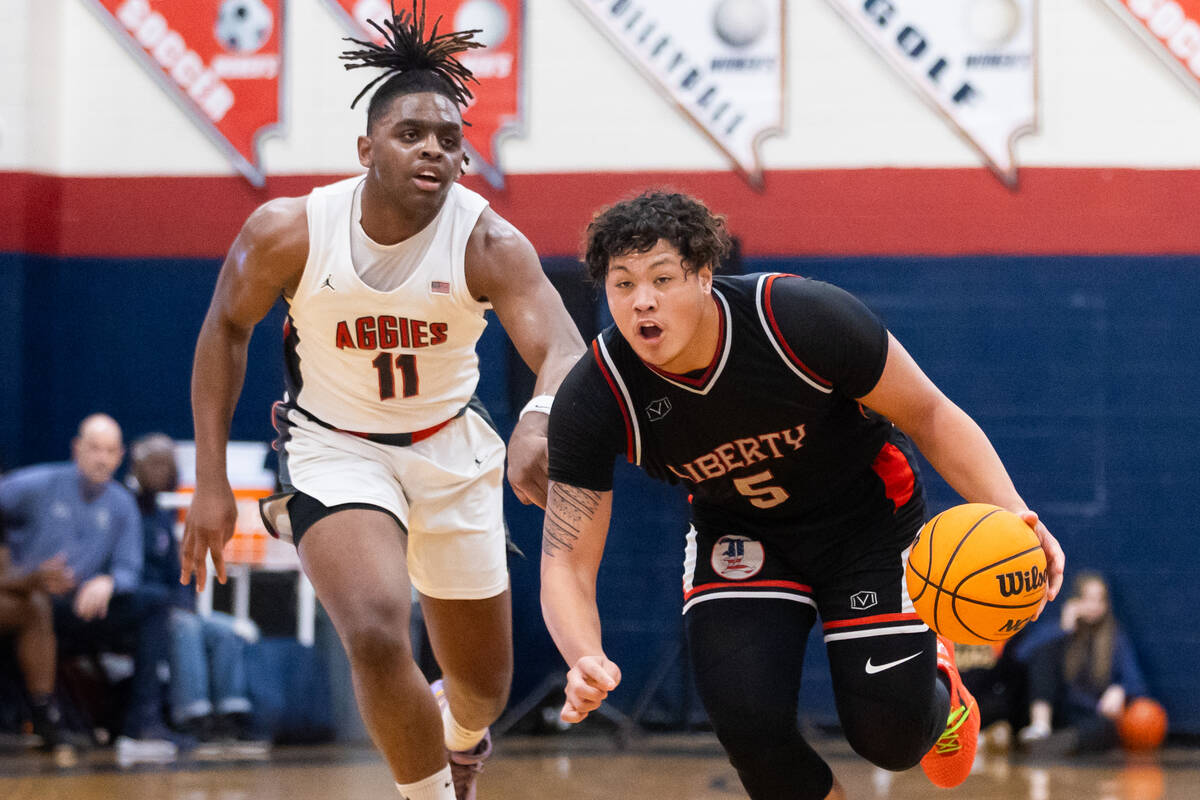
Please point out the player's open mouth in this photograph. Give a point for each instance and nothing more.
(427, 180)
(649, 331)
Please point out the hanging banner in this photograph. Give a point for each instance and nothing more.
(220, 60)
(975, 62)
(1171, 28)
(495, 109)
(720, 61)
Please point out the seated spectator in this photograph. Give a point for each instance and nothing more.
(1081, 674)
(78, 510)
(208, 688)
(1000, 685)
(25, 612)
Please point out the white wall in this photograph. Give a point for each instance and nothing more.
(74, 102)
(30, 101)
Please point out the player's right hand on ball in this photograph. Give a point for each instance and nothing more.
(208, 526)
(588, 683)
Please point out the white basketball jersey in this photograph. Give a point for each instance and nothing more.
(375, 361)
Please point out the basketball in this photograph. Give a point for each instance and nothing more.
(976, 573)
(1142, 725)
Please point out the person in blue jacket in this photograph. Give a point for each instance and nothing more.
(77, 511)
(1082, 673)
(208, 694)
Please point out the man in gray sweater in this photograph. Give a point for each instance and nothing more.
(75, 512)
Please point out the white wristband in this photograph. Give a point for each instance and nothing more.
(540, 403)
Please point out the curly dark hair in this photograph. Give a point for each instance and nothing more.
(636, 225)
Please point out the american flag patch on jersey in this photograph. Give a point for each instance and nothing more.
(439, 287)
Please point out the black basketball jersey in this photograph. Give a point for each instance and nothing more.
(770, 432)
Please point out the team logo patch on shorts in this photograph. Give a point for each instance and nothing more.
(737, 557)
(861, 601)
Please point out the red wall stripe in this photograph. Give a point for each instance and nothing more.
(801, 212)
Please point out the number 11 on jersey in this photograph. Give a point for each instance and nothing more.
(407, 364)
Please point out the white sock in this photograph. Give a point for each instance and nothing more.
(438, 786)
(458, 738)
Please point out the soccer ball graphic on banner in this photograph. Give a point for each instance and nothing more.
(740, 23)
(244, 25)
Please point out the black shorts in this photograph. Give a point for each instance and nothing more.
(859, 593)
(304, 511)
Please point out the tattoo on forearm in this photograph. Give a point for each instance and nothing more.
(568, 510)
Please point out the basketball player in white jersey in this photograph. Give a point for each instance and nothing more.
(392, 478)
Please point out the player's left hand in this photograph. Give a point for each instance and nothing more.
(1055, 558)
(528, 459)
(588, 683)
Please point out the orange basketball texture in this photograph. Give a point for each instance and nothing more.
(976, 573)
(1142, 725)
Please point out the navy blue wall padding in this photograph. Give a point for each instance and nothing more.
(116, 336)
(1084, 371)
(12, 359)
(289, 689)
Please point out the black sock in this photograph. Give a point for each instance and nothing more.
(46, 720)
(44, 710)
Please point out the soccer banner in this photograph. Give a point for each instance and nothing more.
(975, 62)
(495, 108)
(1172, 30)
(220, 60)
(719, 61)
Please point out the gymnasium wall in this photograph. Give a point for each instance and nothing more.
(1058, 315)
(75, 103)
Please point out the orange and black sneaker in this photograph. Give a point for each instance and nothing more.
(950, 760)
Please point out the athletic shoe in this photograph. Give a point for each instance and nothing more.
(465, 765)
(150, 749)
(950, 760)
(56, 738)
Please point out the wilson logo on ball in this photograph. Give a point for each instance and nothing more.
(1013, 583)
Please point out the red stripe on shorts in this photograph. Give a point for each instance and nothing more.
(863, 622)
(704, 587)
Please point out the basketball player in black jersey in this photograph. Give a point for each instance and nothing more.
(787, 410)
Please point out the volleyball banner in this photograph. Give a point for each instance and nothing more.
(495, 109)
(974, 62)
(719, 61)
(1171, 28)
(220, 60)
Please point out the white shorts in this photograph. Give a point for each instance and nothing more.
(446, 491)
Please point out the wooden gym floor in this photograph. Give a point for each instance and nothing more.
(579, 767)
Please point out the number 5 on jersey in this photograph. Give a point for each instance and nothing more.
(759, 495)
(407, 364)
